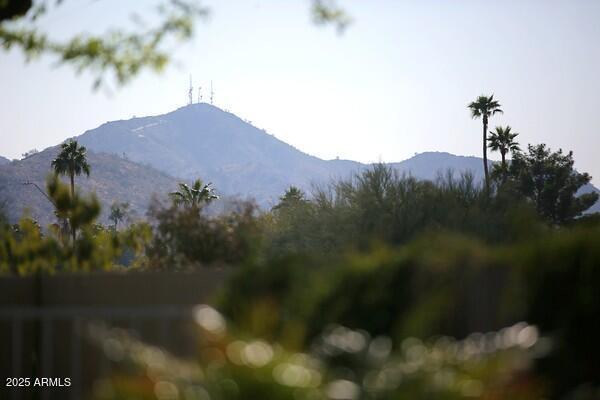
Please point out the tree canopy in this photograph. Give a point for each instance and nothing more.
(71, 161)
(503, 141)
(550, 182)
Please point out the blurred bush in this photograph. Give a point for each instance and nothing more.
(187, 237)
(491, 366)
(560, 277)
(438, 284)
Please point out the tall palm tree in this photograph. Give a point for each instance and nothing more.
(71, 161)
(503, 140)
(485, 107)
(195, 196)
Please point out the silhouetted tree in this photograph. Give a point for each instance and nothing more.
(485, 107)
(29, 153)
(71, 161)
(548, 180)
(503, 140)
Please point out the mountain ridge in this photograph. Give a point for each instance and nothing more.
(153, 141)
(203, 141)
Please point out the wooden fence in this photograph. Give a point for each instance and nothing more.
(44, 320)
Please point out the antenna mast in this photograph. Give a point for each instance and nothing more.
(190, 91)
(199, 94)
(212, 93)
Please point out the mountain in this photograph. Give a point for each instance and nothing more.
(429, 165)
(587, 189)
(198, 140)
(4, 160)
(112, 179)
(201, 140)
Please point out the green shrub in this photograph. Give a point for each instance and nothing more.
(379, 205)
(186, 237)
(26, 249)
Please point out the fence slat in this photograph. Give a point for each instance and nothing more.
(59, 343)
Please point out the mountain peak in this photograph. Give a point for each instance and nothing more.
(202, 140)
(194, 107)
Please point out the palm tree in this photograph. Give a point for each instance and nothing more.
(484, 107)
(71, 161)
(503, 140)
(118, 212)
(195, 196)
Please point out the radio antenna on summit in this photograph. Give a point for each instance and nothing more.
(212, 93)
(199, 94)
(190, 92)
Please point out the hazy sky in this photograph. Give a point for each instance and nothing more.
(395, 83)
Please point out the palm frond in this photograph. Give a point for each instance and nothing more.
(195, 196)
(72, 159)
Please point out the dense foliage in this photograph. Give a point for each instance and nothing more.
(381, 206)
(440, 284)
(186, 237)
(549, 181)
(26, 248)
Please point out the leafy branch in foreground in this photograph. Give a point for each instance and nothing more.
(328, 12)
(122, 54)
